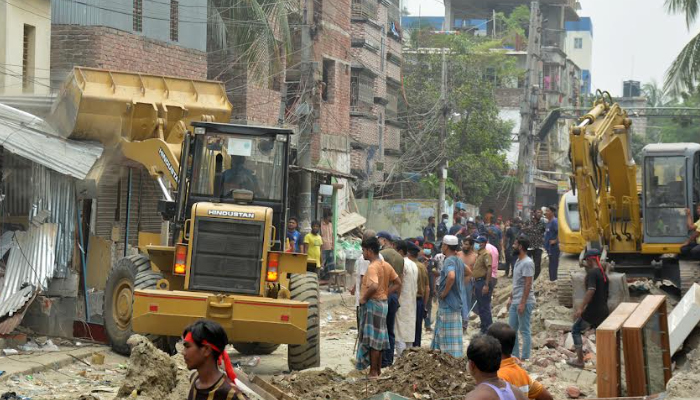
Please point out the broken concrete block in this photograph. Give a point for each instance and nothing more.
(569, 342)
(684, 317)
(586, 378)
(569, 374)
(557, 325)
(566, 352)
(542, 362)
(552, 343)
(502, 312)
(573, 392)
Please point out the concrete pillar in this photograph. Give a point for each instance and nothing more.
(448, 24)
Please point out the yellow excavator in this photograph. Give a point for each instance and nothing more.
(640, 230)
(224, 190)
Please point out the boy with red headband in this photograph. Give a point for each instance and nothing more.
(205, 349)
(594, 308)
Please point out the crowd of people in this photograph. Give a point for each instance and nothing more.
(456, 268)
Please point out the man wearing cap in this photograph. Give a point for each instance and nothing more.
(482, 281)
(391, 256)
(448, 323)
(594, 308)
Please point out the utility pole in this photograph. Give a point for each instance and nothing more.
(442, 169)
(525, 192)
(307, 86)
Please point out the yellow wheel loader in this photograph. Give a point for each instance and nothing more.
(640, 229)
(225, 197)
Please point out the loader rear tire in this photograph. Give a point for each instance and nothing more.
(304, 287)
(255, 349)
(129, 273)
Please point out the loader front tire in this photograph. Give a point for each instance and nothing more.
(129, 273)
(304, 287)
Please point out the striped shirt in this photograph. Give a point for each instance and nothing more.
(223, 389)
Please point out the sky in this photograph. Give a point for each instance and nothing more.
(632, 39)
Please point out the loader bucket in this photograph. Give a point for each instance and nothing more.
(108, 106)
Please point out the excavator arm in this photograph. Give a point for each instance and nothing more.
(605, 178)
(144, 117)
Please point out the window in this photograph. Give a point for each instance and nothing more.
(174, 19)
(665, 196)
(578, 43)
(328, 92)
(552, 78)
(361, 91)
(138, 16)
(28, 56)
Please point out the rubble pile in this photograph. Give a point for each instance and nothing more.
(684, 382)
(152, 374)
(418, 373)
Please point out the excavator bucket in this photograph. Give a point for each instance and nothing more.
(110, 106)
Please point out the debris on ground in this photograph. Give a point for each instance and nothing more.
(153, 374)
(684, 382)
(418, 374)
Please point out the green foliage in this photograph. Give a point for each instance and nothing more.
(668, 130)
(684, 72)
(251, 33)
(430, 186)
(477, 139)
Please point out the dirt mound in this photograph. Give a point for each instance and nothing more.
(684, 382)
(153, 374)
(418, 373)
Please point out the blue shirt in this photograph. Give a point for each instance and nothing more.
(552, 232)
(295, 239)
(453, 300)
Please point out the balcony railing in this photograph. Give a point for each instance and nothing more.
(365, 9)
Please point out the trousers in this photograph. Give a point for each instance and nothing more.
(536, 255)
(691, 250)
(577, 329)
(553, 262)
(483, 304)
(420, 314)
(388, 354)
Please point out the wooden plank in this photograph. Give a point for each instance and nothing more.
(665, 342)
(617, 317)
(270, 388)
(608, 342)
(633, 341)
(635, 373)
(644, 311)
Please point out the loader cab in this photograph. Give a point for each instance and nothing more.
(670, 186)
(240, 164)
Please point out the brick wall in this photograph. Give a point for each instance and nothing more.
(392, 137)
(364, 130)
(109, 48)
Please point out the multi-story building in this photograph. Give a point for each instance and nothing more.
(559, 85)
(579, 48)
(375, 83)
(25, 36)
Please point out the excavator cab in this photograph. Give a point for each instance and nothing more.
(670, 173)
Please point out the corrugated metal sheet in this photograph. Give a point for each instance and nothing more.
(9, 324)
(32, 138)
(30, 266)
(143, 215)
(31, 188)
(56, 193)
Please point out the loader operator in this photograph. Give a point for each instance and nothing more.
(239, 177)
